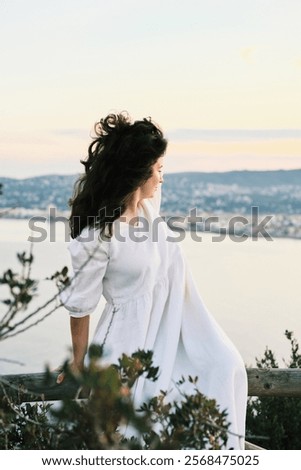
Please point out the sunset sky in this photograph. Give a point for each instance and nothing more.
(221, 77)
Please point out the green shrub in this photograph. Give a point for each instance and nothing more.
(96, 422)
(275, 422)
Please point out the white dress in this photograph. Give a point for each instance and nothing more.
(145, 280)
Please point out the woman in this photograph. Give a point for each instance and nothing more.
(152, 302)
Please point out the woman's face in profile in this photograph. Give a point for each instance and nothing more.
(149, 188)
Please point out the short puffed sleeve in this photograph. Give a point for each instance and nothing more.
(89, 259)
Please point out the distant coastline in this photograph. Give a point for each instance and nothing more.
(280, 226)
(226, 195)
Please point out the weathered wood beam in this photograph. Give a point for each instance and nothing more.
(37, 387)
(274, 382)
(43, 386)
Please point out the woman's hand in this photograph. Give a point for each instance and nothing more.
(74, 369)
(60, 378)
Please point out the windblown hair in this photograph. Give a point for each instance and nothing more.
(120, 159)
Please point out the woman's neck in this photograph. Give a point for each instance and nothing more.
(131, 212)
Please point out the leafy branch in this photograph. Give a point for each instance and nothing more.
(22, 289)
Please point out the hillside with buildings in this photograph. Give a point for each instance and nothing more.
(224, 195)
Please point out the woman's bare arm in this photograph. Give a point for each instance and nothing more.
(79, 328)
(80, 335)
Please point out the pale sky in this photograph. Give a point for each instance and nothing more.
(221, 77)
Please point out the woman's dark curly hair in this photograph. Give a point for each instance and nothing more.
(120, 159)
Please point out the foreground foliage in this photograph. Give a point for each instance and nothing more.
(99, 422)
(275, 422)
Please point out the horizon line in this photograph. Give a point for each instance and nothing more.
(165, 173)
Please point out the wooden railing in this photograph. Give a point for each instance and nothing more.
(274, 382)
(42, 386)
(261, 382)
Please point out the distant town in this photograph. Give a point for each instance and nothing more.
(232, 202)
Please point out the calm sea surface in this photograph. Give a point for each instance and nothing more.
(251, 288)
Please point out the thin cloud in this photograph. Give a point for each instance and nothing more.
(230, 135)
(71, 132)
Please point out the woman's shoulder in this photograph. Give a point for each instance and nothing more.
(89, 242)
